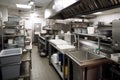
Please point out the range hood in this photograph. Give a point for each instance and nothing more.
(86, 7)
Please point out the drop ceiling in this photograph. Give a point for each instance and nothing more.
(11, 4)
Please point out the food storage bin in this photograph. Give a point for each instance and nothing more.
(10, 56)
(10, 71)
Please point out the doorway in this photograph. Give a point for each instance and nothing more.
(36, 31)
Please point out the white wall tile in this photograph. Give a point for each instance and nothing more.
(106, 18)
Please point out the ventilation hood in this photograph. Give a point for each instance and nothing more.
(86, 7)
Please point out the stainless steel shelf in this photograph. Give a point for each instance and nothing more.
(91, 35)
(25, 71)
(26, 57)
(13, 35)
(57, 67)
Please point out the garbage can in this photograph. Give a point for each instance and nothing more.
(10, 71)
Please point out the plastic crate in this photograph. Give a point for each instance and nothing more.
(10, 56)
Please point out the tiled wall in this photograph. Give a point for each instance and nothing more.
(106, 18)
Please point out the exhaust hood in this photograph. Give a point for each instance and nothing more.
(86, 7)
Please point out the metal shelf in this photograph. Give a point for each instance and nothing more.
(25, 71)
(91, 35)
(29, 47)
(26, 57)
(4, 35)
(94, 42)
(104, 27)
(57, 68)
(12, 35)
(41, 40)
(12, 25)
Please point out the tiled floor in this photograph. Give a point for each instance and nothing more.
(41, 70)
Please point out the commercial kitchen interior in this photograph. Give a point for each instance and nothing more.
(59, 39)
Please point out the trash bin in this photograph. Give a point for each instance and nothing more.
(10, 71)
(8, 56)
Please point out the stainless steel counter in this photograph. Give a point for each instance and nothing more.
(62, 47)
(82, 57)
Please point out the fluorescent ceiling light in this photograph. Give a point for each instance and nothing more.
(23, 6)
(98, 13)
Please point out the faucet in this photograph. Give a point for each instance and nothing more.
(75, 42)
(92, 50)
(97, 51)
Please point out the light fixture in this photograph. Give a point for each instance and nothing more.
(53, 7)
(98, 13)
(23, 6)
(31, 2)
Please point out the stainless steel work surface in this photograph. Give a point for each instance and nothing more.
(84, 56)
(62, 47)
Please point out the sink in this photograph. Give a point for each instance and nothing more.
(83, 56)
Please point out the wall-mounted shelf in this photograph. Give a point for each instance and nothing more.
(104, 27)
(90, 35)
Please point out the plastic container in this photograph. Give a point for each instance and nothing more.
(27, 42)
(84, 31)
(19, 41)
(115, 57)
(10, 41)
(90, 30)
(54, 58)
(76, 30)
(14, 19)
(60, 57)
(10, 71)
(9, 31)
(10, 56)
(11, 46)
(11, 23)
(67, 37)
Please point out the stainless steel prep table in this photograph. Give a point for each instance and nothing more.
(53, 46)
(77, 58)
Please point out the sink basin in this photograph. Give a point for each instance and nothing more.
(83, 56)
